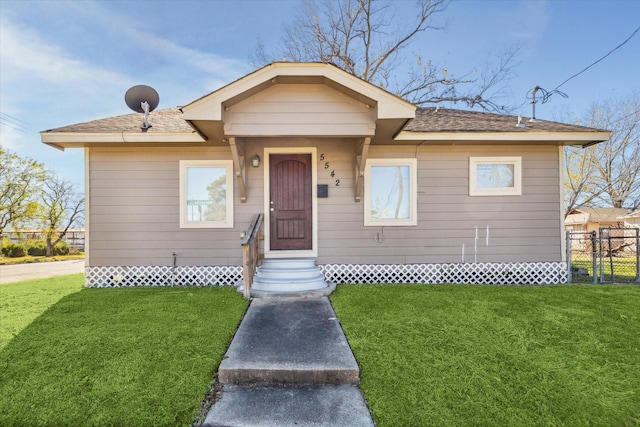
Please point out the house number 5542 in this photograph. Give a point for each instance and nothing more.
(326, 167)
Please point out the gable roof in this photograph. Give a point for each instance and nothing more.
(210, 107)
(397, 120)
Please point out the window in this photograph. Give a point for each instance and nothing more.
(206, 194)
(495, 176)
(390, 197)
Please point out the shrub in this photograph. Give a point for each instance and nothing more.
(14, 250)
(5, 241)
(62, 248)
(37, 248)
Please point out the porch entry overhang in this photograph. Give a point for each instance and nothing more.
(296, 99)
(299, 100)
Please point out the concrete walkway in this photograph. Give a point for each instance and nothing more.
(39, 270)
(289, 364)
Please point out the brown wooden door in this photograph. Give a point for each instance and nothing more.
(291, 219)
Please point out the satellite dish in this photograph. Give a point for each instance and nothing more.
(142, 99)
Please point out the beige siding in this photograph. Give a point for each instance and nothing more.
(296, 109)
(521, 228)
(134, 217)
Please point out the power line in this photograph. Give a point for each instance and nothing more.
(15, 123)
(594, 63)
(546, 95)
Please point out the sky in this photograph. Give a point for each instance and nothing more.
(66, 62)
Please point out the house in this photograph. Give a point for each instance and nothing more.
(587, 219)
(354, 182)
(631, 219)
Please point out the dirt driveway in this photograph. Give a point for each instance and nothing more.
(39, 270)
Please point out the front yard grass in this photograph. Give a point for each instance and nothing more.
(22, 302)
(614, 269)
(496, 355)
(430, 355)
(113, 357)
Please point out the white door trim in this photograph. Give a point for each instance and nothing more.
(268, 253)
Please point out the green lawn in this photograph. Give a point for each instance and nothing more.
(430, 355)
(496, 355)
(110, 357)
(614, 269)
(22, 302)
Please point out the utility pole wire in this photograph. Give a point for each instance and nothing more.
(15, 126)
(610, 52)
(9, 120)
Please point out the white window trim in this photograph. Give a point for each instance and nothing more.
(413, 193)
(184, 222)
(516, 190)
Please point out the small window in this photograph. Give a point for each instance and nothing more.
(206, 194)
(495, 176)
(390, 197)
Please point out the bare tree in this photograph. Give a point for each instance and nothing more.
(19, 188)
(581, 185)
(607, 174)
(60, 207)
(367, 39)
(618, 160)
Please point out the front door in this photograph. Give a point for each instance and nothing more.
(291, 202)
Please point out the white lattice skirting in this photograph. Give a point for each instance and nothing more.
(526, 273)
(114, 277)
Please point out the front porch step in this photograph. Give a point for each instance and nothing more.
(288, 275)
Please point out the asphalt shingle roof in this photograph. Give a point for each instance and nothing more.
(438, 119)
(170, 120)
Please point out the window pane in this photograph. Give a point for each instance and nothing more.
(390, 192)
(206, 193)
(497, 175)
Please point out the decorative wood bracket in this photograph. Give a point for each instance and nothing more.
(238, 168)
(360, 165)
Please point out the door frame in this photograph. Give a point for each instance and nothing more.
(313, 253)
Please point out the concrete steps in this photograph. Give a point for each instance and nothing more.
(289, 364)
(288, 275)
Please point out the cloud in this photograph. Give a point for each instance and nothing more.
(143, 38)
(34, 59)
(11, 138)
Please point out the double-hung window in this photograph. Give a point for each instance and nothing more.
(206, 194)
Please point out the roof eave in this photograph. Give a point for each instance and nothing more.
(564, 138)
(62, 140)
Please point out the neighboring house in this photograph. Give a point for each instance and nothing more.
(591, 219)
(349, 177)
(631, 219)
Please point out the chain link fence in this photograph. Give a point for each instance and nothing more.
(607, 256)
